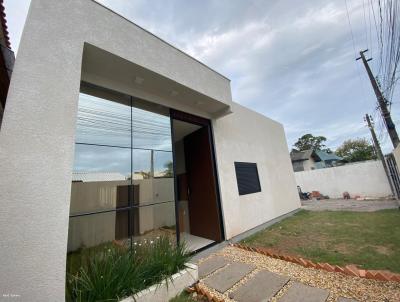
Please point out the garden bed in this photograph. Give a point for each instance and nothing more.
(111, 272)
(168, 289)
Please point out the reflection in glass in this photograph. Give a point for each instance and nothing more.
(147, 222)
(100, 177)
(151, 130)
(100, 159)
(153, 176)
(122, 187)
(151, 163)
(96, 231)
(103, 122)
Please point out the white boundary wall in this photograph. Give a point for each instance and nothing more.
(364, 179)
(396, 153)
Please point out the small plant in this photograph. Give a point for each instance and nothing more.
(115, 272)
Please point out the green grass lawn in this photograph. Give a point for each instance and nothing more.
(370, 240)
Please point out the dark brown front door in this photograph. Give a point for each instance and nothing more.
(203, 202)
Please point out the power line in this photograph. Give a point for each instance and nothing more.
(390, 126)
(365, 26)
(355, 52)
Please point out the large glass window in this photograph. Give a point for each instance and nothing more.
(122, 185)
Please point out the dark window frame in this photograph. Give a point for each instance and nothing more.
(245, 184)
(131, 206)
(204, 122)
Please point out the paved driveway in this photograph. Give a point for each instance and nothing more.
(349, 205)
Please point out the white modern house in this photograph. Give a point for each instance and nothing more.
(110, 133)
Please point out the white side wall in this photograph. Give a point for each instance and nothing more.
(364, 179)
(246, 136)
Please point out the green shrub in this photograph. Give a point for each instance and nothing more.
(114, 272)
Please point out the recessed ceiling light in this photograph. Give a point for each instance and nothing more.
(138, 80)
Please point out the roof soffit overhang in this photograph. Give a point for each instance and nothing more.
(55, 40)
(104, 69)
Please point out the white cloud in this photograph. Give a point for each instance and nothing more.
(290, 60)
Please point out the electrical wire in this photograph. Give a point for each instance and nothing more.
(355, 52)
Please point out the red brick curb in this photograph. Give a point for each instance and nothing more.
(350, 270)
(202, 292)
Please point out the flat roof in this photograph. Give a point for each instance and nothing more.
(162, 40)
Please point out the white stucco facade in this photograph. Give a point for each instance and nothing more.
(246, 136)
(62, 43)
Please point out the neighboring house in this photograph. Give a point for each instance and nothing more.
(94, 92)
(313, 159)
(327, 159)
(6, 60)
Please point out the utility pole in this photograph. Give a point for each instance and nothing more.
(391, 128)
(379, 151)
(152, 164)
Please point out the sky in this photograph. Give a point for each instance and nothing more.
(293, 61)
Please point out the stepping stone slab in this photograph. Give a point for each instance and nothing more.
(341, 299)
(299, 292)
(211, 265)
(261, 288)
(228, 276)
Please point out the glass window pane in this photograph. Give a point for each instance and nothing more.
(155, 221)
(118, 164)
(141, 164)
(147, 163)
(151, 130)
(101, 177)
(103, 122)
(163, 164)
(92, 233)
(152, 176)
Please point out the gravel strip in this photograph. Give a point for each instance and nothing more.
(242, 281)
(338, 284)
(282, 291)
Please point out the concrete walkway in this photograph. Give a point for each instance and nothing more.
(349, 205)
(244, 283)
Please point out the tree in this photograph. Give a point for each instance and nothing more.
(169, 171)
(309, 141)
(358, 149)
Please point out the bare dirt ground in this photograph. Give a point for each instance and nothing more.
(348, 205)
